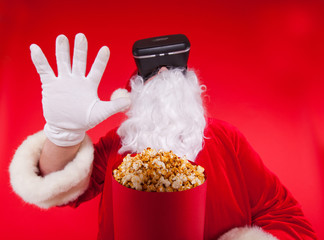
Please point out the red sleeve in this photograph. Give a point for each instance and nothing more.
(272, 206)
(102, 151)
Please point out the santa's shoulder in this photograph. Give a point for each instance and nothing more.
(222, 130)
(220, 125)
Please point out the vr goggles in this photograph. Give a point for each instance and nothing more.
(150, 54)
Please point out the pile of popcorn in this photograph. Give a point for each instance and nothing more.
(158, 171)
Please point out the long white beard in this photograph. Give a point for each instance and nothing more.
(166, 113)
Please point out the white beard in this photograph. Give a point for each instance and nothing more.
(166, 113)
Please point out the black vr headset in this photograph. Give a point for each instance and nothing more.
(150, 54)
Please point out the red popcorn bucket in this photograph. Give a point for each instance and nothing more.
(158, 215)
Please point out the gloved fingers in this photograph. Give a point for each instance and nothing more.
(79, 63)
(104, 109)
(63, 55)
(99, 65)
(40, 62)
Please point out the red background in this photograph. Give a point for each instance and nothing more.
(262, 62)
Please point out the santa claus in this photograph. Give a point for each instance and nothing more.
(61, 166)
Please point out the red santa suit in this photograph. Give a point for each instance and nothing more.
(244, 199)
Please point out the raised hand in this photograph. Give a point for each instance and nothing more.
(70, 101)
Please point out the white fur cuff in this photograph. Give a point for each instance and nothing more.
(57, 188)
(247, 233)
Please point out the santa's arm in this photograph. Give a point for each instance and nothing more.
(275, 212)
(80, 180)
(57, 188)
(54, 158)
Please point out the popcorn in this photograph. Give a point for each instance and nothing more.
(158, 171)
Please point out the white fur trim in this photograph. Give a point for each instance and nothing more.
(119, 93)
(247, 233)
(57, 188)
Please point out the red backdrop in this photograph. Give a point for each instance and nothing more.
(262, 63)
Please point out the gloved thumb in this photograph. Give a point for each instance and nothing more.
(104, 109)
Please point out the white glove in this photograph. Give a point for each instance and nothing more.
(70, 101)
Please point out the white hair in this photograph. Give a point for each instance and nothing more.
(166, 113)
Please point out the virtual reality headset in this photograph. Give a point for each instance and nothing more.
(150, 54)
